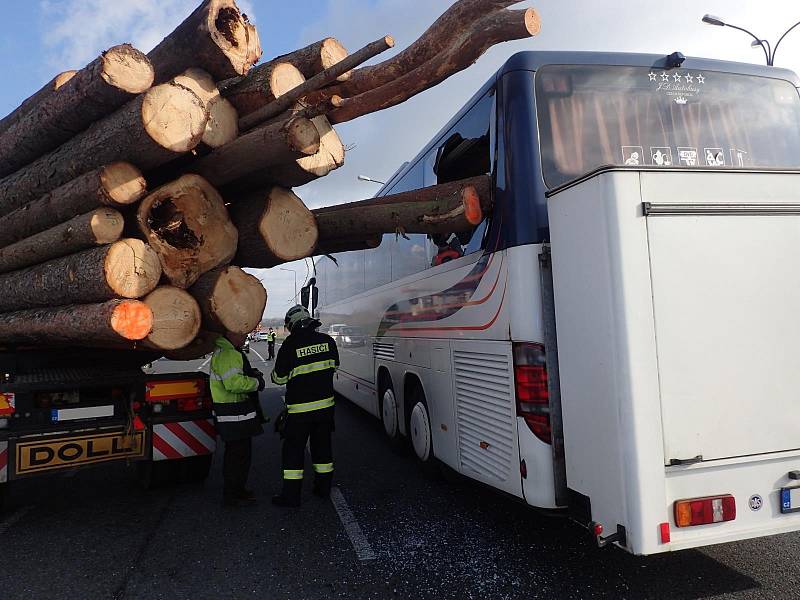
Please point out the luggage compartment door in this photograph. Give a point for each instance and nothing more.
(726, 296)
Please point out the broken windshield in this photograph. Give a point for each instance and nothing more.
(592, 116)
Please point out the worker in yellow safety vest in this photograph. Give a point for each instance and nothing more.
(306, 363)
(271, 335)
(237, 414)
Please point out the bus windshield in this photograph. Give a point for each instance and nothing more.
(592, 116)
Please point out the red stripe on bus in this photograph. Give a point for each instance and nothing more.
(461, 327)
(187, 438)
(165, 449)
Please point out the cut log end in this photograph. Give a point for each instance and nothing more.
(223, 123)
(330, 155)
(303, 136)
(63, 78)
(132, 320)
(231, 300)
(132, 268)
(123, 183)
(288, 228)
(234, 35)
(332, 52)
(106, 225)
(284, 77)
(533, 21)
(200, 82)
(174, 117)
(127, 68)
(176, 318)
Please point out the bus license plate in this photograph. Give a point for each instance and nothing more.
(64, 453)
(790, 499)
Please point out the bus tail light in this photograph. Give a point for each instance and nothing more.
(703, 511)
(533, 398)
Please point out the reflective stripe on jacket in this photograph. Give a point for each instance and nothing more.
(235, 408)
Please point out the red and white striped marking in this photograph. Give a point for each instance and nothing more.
(3, 462)
(180, 440)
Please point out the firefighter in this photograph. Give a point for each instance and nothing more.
(271, 335)
(236, 414)
(306, 362)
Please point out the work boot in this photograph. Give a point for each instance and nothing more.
(290, 496)
(246, 495)
(322, 485)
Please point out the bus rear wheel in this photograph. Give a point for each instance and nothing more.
(420, 431)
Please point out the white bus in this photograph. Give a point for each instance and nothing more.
(618, 338)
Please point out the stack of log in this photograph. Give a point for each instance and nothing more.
(134, 191)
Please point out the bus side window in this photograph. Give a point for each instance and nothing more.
(464, 151)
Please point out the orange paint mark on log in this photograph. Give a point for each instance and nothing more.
(133, 320)
(472, 205)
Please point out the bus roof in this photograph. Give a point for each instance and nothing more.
(532, 60)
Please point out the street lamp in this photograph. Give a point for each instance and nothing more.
(769, 51)
(295, 281)
(365, 178)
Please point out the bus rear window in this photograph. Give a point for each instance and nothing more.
(592, 116)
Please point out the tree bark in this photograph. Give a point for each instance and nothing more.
(216, 37)
(274, 227)
(338, 245)
(317, 57)
(310, 89)
(445, 208)
(176, 318)
(86, 324)
(187, 225)
(502, 26)
(263, 85)
(230, 300)
(99, 227)
(34, 101)
(151, 130)
(115, 185)
(437, 39)
(259, 149)
(298, 172)
(127, 268)
(201, 345)
(96, 91)
(223, 120)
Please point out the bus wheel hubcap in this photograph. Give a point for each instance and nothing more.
(389, 415)
(421, 432)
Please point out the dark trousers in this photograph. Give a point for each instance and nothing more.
(317, 425)
(236, 465)
(271, 350)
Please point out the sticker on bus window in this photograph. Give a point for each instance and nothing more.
(661, 156)
(738, 157)
(715, 157)
(632, 156)
(687, 156)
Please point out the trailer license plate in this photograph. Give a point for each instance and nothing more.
(63, 453)
(790, 499)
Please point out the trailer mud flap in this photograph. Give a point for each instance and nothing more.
(3, 462)
(63, 453)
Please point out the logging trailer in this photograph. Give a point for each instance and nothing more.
(64, 409)
(617, 340)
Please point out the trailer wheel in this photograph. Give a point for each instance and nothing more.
(389, 413)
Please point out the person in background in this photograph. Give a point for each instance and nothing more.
(271, 335)
(237, 414)
(306, 363)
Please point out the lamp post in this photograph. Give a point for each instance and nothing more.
(295, 282)
(370, 179)
(769, 51)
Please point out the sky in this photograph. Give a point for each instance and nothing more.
(39, 38)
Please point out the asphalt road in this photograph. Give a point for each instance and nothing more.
(96, 534)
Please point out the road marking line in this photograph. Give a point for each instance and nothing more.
(205, 362)
(360, 544)
(258, 355)
(14, 518)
